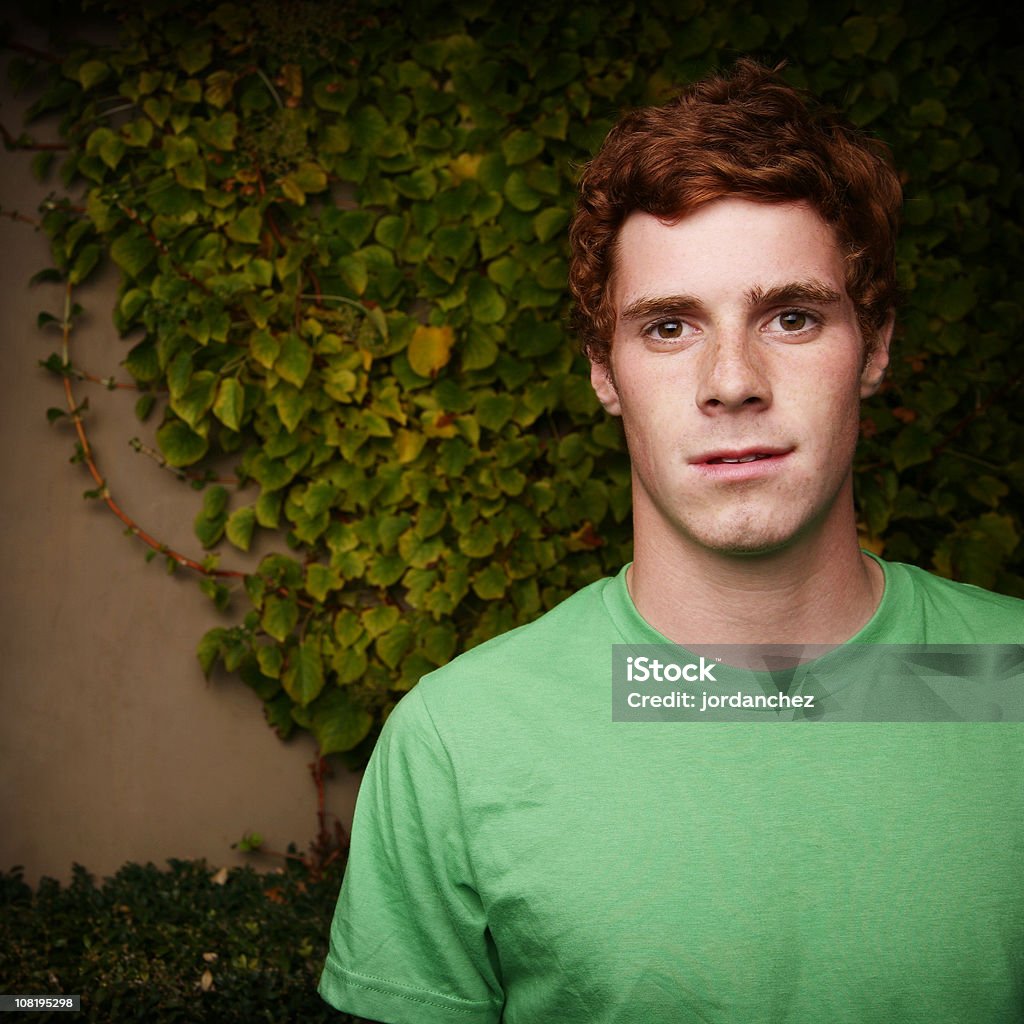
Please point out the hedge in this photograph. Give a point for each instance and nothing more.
(187, 943)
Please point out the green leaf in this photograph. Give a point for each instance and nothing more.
(393, 645)
(92, 72)
(494, 411)
(195, 56)
(349, 664)
(913, 445)
(271, 660)
(180, 444)
(144, 406)
(132, 252)
(339, 723)
(454, 242)
(379, 619)
(84, 263)
(386, 570)
(219, 131)
(957, 299)
(111, 150)
(520, 194)
(479, 542)
(521, 146)
(506, 272)
(490, 584)
(280, 614)
(240, 526)
(310, 177)
(178, 150)
(291, 406)
(861, 33)
(295, 360)
(268, 509)
(197, 399)
(209, 648)
(479, 351)
(264, 348)
(554, 125)
(229, 405)
(420, 184)
(485, 301)
(930, 111)
(215, 501)
(550, 222)
(246, 227)
(321, 580)
(209, 531)
(439, 643)
(303, 673)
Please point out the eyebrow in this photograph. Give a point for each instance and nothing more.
(811, 290)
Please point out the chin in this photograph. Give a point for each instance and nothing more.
(747, 546)
(746, 538)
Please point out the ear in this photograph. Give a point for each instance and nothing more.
(603, 383)
(877, 362)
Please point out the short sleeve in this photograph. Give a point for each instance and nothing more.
(409, 940)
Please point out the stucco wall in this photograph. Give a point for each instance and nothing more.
(113, 747)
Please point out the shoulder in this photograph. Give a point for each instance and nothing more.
(524, 675)
(954, 612)
(580, 621)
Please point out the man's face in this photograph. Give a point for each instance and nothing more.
(737, 366)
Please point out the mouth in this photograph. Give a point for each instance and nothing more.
(736, 458)
(731, 462)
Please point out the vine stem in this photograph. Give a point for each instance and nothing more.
(31, 51)
(181, 474)
(21, 218)
(90, 461)
(12, 143)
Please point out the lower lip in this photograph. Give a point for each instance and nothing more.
(740, 471)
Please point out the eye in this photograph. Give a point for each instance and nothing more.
(669, 329)
(792, 321)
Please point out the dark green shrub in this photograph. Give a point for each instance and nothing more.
(181, 944)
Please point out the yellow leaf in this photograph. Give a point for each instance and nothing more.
(220, 877)
(430, 349)
(219, 87)
(464, 166)
(291, 189)
(408, 444)
(206, 981)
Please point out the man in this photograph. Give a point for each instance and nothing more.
(518, 856)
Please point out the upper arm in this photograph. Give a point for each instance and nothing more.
(409, 941)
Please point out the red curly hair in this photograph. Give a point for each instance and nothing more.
(746, 135)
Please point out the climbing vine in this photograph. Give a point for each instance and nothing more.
(340, 229)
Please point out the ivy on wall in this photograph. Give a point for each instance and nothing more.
(340, 229)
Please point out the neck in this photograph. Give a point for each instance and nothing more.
(819, 590)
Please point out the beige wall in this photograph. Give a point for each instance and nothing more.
(113, 747)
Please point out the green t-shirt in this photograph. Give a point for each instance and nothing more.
(517, 856)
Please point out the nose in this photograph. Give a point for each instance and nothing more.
(733, 375)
